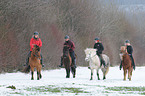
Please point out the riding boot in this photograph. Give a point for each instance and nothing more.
(61, 63)
(120, 65)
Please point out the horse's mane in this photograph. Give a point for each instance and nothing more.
(87, 50)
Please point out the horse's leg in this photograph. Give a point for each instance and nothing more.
(73, 70)
(98, 74)
(104, 77)
(67, 72)
(125, 71)
(38, 75)
(129, 74)
(32, 73)
(92, 70)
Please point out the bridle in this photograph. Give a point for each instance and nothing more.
(35, 54)
(91, 56)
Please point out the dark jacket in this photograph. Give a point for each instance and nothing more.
(70, 44)
(99, 47)
(129, 49)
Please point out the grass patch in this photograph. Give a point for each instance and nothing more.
(11, 87)
(74, 90)
(128, 90)
(55, 89)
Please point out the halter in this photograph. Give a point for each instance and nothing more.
(90, 56)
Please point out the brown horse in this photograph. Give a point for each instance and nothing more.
(126, 63)
(67, 61)
(34, 62)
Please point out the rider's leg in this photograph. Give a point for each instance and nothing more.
(120, 65)
(132, 59)
(72, 54)
(27, 60)
(41, 61)
(102, 60)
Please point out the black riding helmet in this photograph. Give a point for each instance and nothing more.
(127, 41)
(66, 37)
(36, 33)
(96, 38)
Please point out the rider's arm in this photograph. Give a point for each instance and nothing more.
(40, 43)
(31, 43)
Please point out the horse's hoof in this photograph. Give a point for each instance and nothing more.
(73, 76)
(98, 78)
(67, 76)
(32, 79)
(104, 78)
(91, 79)
(40, 76)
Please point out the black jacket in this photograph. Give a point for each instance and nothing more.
(129, 49)
(99, 47)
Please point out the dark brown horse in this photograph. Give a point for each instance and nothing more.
(67, 61)
(126, 63)
(34, 62)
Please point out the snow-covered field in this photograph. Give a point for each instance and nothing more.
(54, 83)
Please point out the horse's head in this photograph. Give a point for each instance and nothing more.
(123, 49)
(90, 52)
(36, 51)
(65, 50)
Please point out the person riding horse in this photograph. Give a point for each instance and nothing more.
(35, 40)
(129, 49)
(71, 46)
(99, 46)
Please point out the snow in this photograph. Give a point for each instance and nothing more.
(56, 79)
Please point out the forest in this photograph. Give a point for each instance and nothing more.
(82, 20)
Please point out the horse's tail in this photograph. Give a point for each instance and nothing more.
(27, 69)
(108, 65)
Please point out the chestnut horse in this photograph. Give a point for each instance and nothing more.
(126, 63)
(67, 61)
(34, 62)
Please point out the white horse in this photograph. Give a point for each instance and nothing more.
(94, 62)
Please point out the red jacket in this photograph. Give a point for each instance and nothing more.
(33, 42)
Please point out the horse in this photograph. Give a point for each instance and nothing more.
(126, 63)
(94, 62)
(34, 62)
(67, 61)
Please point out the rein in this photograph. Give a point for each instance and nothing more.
(92, 56)
(36, 55)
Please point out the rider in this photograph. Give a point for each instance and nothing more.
(35, 40)
(130, 51)
(71, 51)
(99, 46)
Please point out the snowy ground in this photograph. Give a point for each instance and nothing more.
(54, 83)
